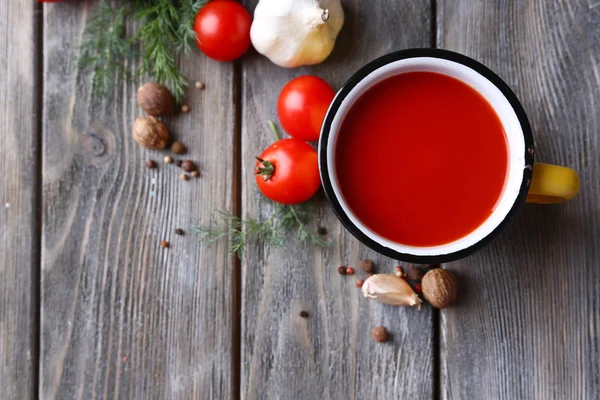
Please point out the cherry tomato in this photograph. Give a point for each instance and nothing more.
(288, 171)
(302, 105)
(223, 30)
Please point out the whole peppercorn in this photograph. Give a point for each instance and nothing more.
(359, 283)
(164, 244)
(179, 232)
(439, 287)
(178, 148)
(184, 177)
(151, 164)
(168, 160)
(304, 314)
(366, 265)
(188, 166)
(415, 273)
(195, 173)
(349, 271)
(185, 108)
(342, 270)
(380, 334)
(155, 99)
(322, 231)
(199, 85)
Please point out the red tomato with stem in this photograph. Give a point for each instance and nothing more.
(288, 171)
(223, 30)
(302, 105)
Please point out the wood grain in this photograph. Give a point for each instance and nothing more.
(528, 321)
(19, 166)
(121, 316)
(331, 354)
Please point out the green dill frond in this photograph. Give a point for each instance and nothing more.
(273, 231)
(105, 48)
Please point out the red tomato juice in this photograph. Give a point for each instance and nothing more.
(421, 159)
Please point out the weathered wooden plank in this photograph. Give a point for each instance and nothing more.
(330, 354)
(121, 316)
(19, 166)
(528, 322)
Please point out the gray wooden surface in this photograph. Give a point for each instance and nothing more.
(331, 354)
(528, 322)
(120, 317)
(19, 181)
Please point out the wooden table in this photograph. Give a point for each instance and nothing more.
(91, 307)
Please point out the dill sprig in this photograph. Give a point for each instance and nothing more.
(165, 31)
(272, 231)
(104, 47)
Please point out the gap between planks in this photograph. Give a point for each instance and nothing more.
(236, 326)
(36, 265)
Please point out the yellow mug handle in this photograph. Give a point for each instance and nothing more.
(552, 184)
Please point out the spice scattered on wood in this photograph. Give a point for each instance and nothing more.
(304, 314)
(359, 283)
(415, 273)
(349, 271)
(380, 334)
(199, 85)
(322, 230)
(168, 160)
(185, 108)
(178, 148)
(366, 265)
(179, 232)
(155, 99)
(151, 164)
(195, 173)
(418, 287)
(341, 270)
(188, 166)
(399, 272)
(150, 133)
(439, 287)
(164, 244)
(184, 177)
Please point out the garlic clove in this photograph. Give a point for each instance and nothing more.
(389, 289)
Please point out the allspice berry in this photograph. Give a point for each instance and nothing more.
(151, 164)
(188, 166)
(184, 177)
(366, 265)
(415, 273)
(380, 334)
(439, 287)
(195, 173)
(150, 133)
(199, 85)
(155, 99)
(185, 108)
(178, 148)
(168, 160)
(164, 244)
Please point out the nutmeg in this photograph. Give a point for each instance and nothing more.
(150, 132)
(155, 99)
(439, 287)
(188, 166)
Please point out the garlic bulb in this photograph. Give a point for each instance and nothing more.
(292, 33)
(389, 289)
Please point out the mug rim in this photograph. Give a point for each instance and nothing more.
(363, 73)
